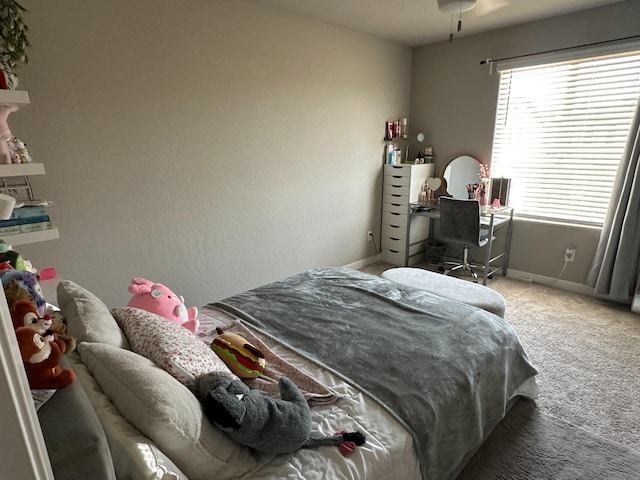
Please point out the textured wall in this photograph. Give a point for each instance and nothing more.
(210, 145)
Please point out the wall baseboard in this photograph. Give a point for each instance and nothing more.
(511, 273)
(543, 280)
(364, 262)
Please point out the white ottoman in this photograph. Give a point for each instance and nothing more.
(450, 287)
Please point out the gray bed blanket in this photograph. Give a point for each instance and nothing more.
(444, 369)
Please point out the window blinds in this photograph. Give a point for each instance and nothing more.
(560, 133)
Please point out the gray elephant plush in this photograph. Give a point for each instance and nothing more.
(264, 423)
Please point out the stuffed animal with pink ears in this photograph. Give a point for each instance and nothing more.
(158, 299)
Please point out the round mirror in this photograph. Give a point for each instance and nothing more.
(458, 173)
(420, 137)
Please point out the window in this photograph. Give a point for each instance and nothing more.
(560, 132)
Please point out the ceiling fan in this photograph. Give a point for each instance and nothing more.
(479, 7)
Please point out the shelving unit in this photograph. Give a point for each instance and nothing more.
(14, 178)
(21, 169)
(403, 236)
(17, 98)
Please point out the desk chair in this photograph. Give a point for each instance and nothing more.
(460, 223)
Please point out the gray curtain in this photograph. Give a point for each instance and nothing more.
(616, 265)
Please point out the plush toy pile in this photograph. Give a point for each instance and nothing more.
(41, 336)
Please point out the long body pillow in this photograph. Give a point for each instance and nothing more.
(166, 412)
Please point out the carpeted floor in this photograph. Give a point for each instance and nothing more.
(532, 445)
(586, 423)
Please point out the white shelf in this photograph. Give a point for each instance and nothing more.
(21, 169)
(18, 98)
(31, 237)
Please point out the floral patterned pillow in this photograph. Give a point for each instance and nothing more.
(172, 347)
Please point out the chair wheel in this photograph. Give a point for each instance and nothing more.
(490, 277)
(441, 269)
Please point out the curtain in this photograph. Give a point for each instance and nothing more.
(615, 269)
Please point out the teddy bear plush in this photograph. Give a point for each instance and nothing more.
(159, 299)
(59, 327)
(41, 358)
(266, 424)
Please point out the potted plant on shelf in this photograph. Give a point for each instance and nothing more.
(13, 42)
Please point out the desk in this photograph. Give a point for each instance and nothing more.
(494, 219)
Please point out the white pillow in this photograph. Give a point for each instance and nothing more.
(166, 412)
(134, 455)
(174, 348)
(87, 317)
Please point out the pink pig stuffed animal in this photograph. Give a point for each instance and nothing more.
(158, 299)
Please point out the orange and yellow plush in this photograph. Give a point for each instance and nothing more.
(41, 358)
(242, 358)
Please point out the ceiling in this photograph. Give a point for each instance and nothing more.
(419, 22)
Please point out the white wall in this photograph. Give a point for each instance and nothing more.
(211, 145)
(454, 101)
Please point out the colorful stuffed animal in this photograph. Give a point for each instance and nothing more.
(13, 258)
(266, 424)
(25, 314)
(24, 280)
(242, 358)
(41, 358)
(158, 299)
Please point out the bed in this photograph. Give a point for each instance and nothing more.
(425, 378)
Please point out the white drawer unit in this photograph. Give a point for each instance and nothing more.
(403, 236)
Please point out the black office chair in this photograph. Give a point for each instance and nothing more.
(460, 223)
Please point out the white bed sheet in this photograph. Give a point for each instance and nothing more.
(388, 453)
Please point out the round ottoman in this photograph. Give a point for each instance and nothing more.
(450, 287)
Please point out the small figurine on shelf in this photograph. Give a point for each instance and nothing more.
(18, 151)
(5, 133)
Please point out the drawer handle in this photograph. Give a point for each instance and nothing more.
(394, 251)
(394, 226)
(396, 239)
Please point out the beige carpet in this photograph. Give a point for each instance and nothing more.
(586, 423)
(532, 445)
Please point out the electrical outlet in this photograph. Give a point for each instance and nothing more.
(369, 236)
(569, 254)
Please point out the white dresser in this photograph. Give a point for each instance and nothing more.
(403, 236)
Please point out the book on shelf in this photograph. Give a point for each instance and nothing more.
(24, 220)
(25, 228)
(26, 212)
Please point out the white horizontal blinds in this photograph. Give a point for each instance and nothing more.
(560, 133)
